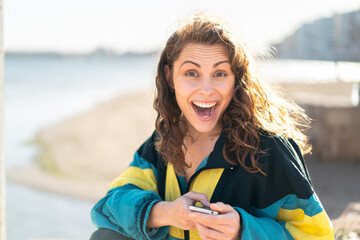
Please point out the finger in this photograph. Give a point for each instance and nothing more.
(206, 219)
(199, 197)
(221, 207)
(227, 211)
(229, 229)
(207, 233)
(216, 221)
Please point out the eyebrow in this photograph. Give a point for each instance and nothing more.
(217, 64)
(198, 65)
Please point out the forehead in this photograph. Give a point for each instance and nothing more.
(203, 52)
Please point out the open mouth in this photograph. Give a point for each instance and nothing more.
(205, 110)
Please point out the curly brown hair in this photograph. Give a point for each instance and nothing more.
(253, 107)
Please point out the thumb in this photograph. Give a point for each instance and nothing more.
(199, 197)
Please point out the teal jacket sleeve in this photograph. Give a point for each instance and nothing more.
(127, 205)
(296, 212)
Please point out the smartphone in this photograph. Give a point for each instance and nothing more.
(203, 210)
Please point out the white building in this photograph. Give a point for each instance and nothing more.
(336, 39)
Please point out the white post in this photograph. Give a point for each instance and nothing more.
(2, 160)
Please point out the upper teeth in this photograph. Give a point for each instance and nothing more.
(205, 104)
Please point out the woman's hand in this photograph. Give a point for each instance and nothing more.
(226, 225)
(176, 213)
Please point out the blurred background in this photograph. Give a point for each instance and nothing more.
(79, 80)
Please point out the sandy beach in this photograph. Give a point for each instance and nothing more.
(81, 155)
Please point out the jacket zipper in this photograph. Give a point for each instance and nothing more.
(186, 232)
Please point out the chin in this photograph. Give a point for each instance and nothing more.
(204, 127)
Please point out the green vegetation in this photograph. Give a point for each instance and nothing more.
(44, 156)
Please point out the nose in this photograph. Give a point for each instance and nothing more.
(206, 87)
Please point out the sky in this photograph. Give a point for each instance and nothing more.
(79, 26)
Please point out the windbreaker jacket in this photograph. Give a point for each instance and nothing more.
(280, 205)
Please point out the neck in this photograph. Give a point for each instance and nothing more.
(196, 136)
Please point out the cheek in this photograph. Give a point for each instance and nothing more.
(181, 98)
(183, 90)
(184, 86)
(228, 91)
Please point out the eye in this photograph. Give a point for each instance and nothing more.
(191, 74)
(220, 74)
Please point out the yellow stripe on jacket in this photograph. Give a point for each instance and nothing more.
(145, 179)
(302, 226)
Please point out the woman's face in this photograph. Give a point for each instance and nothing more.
(203, 84)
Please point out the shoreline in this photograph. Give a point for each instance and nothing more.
(100, 143)
(35, 177)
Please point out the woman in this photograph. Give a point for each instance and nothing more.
(222, 141)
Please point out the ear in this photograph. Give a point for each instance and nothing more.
(168, 76)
